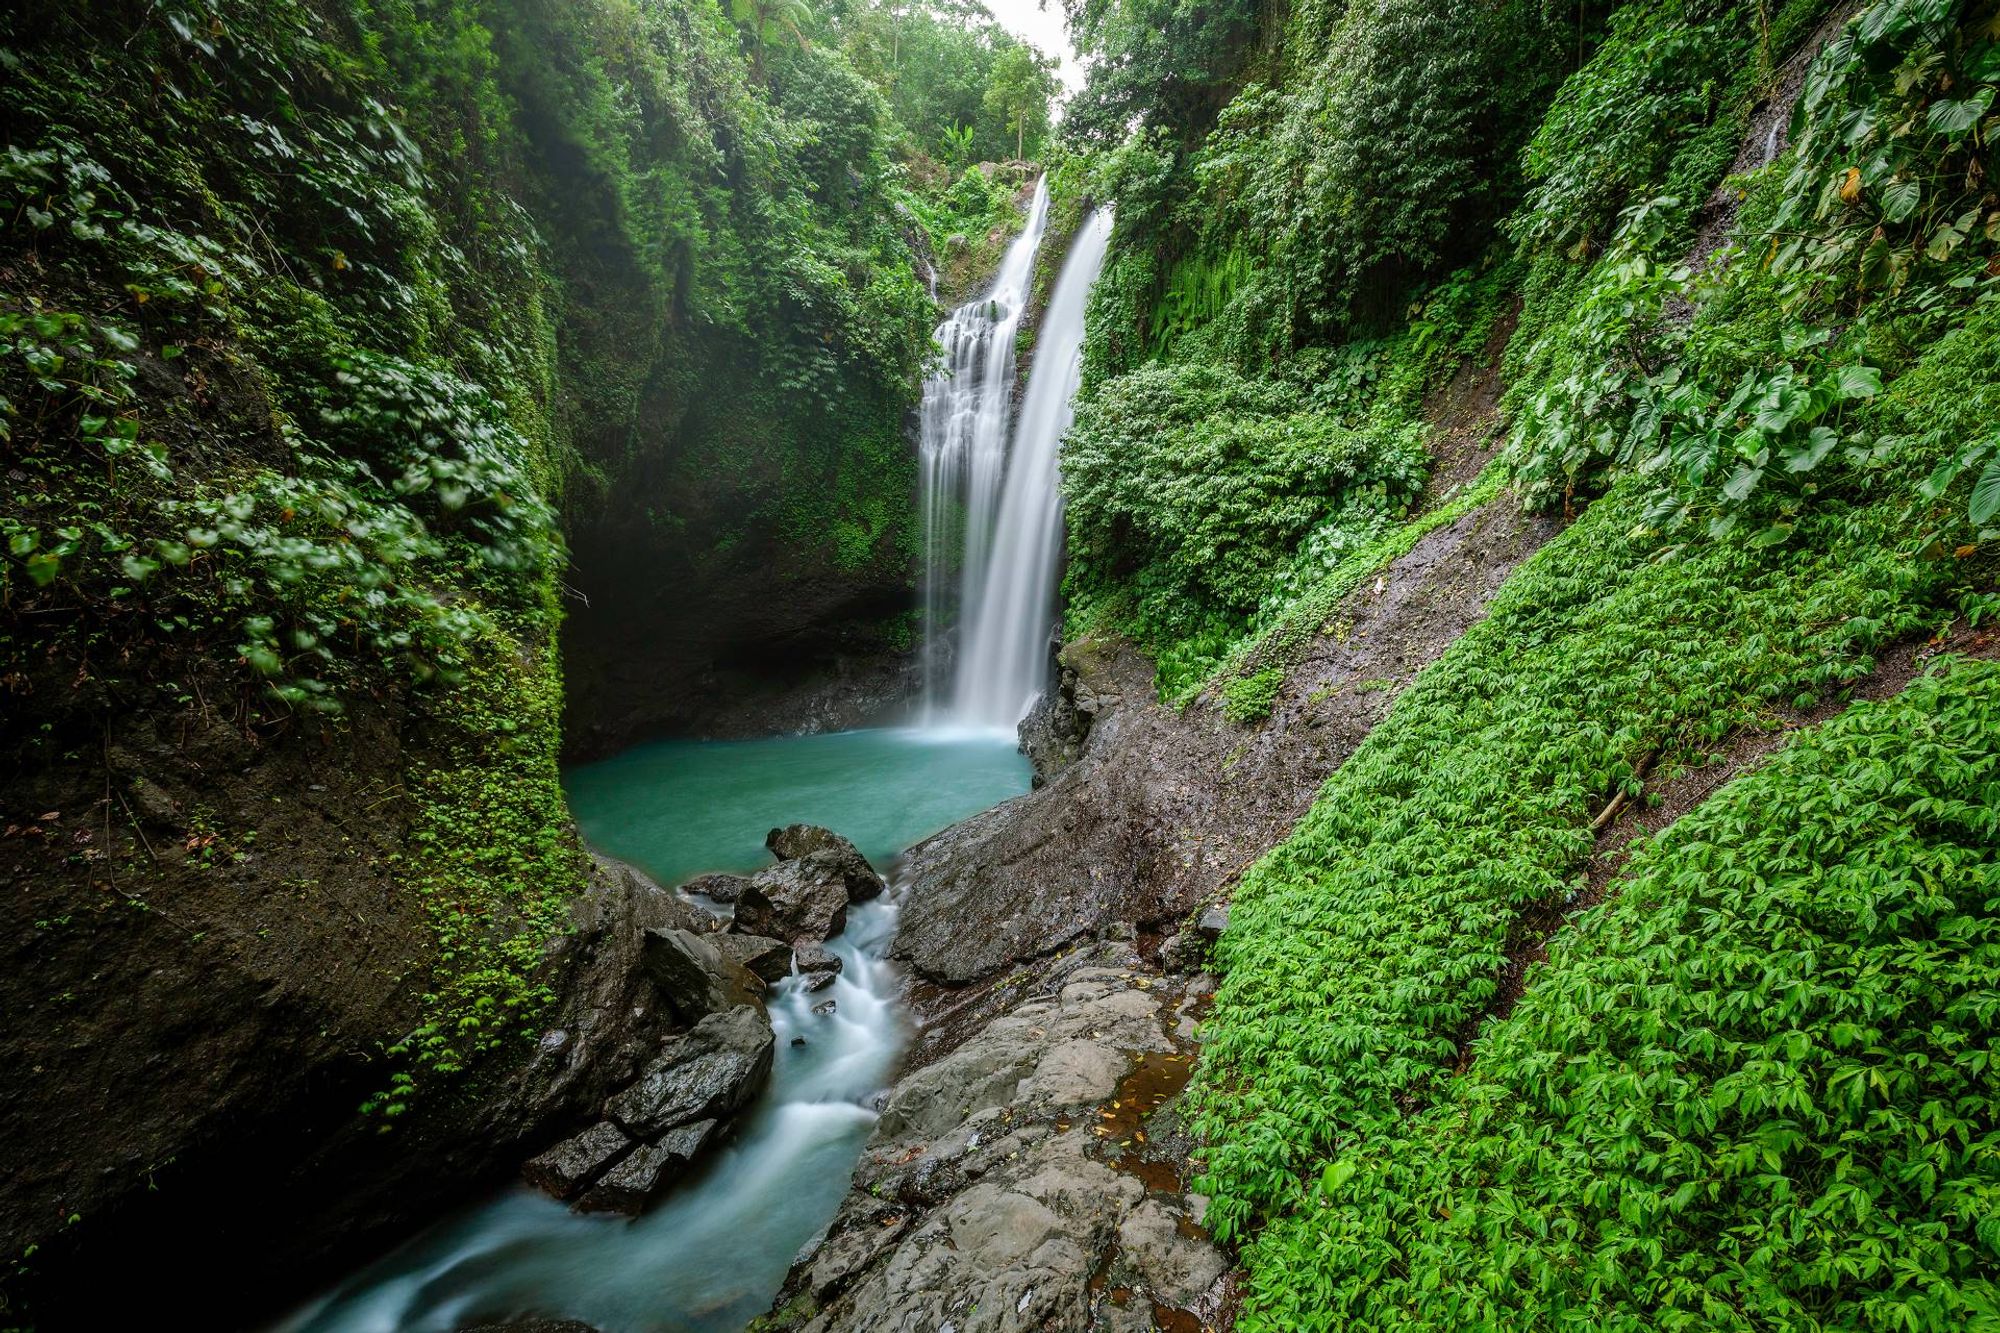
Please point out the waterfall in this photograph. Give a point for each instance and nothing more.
(965, 414)
(1008, 613)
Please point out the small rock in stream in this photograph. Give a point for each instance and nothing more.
(694, 974)
(720, 888)
(629, 1186)
(575, 1162)
(711, 1072)
(769, 960)
(817, 958)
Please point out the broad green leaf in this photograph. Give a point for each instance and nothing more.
(1953, 119)
(1818, 445)
(1858, 381)
(1737, 489)
(1986, 494)
(1900, 200)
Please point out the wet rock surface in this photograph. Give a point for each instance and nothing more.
(711, 1072)
(767, 959)
(804, 898)
(718, 888)
(1162, 810)
(682, 1103)
(1032, 1178)
(1055, 729)
(695, 975)
(794, 901)
(658, 1022)
(565, 1169)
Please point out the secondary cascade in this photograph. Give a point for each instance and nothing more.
(1009, 612)
(965, 415)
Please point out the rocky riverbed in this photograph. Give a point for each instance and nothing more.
(1033, 1178)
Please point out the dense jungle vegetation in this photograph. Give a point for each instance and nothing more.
(1742, 261)
(331, 329)
(323, 323)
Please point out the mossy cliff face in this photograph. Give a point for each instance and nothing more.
(319, 324)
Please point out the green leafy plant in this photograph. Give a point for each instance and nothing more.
(1249, 698)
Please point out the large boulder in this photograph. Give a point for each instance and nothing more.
(694, 975)
(828, 851)
(718, 887)
(708, 1074)
(802, 901)
(768, 959)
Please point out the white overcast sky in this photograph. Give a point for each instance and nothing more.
(1041, 23)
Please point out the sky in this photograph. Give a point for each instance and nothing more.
(1040, 22)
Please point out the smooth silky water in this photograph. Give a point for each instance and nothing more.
(711, 1255)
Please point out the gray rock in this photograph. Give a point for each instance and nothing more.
(829, 852)
(990, 1197)
(572, 1164)
(1056, 727)
(1177, 1268)
(815, 982)
(817, 958)
(1214, 920)
(768, 959)
(796, 840)
(721, 888)
(710, 1073)
(1010, 1254)
(649, 1170)
(694, 975)
(794, 900)
(1077, 1072)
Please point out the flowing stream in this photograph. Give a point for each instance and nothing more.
(1008, 603)
(711, 1256)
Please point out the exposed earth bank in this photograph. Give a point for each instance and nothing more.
(1028, 1170)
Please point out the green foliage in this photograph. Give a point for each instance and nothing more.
(1748, 1092)
(938, 64)
(1744, 405)
(1164, 64)
(1381, 162)
(1249, 698)
(1365, 155)
(1361, 948)
(314, 319)
(1191, 486)
(1021, 84)
(1658, 109)
(1206, 508)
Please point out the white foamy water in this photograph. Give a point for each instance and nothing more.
(708, 1259)
(1008, 616)
(967, 408)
